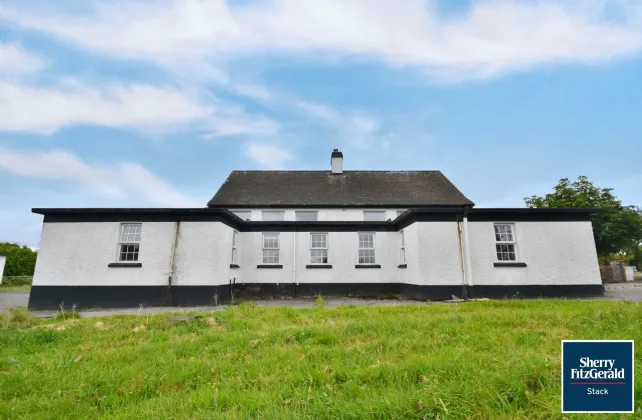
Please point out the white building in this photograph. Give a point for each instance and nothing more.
(306, 233)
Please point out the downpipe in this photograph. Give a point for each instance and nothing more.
(462, 258)
(172, 268)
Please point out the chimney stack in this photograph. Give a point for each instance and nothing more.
(336, 162)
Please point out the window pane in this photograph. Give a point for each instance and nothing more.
(503, 233)
(128, 252)
(270, 256)
(273, 216)
(505, 252)
(366, 240)
(270, 240)
(130, 232)
(306, 216)
(403, 256)
(366, 256)
(403, 239)
(374, 216)
(245, 215)
(233, 255)
(319, 256)
(318, 240)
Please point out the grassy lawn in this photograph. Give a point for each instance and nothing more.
(475, 360)
(19, 288)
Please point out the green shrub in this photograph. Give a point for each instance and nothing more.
(21, 260)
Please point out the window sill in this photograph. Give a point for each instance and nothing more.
(234, 266)
(509, 264)
(318, 266)
(367, 266)
(269, 266)
(125, 264)
(402, 266)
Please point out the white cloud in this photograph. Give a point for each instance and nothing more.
(268, 156)
(14, 60)
(45, 110)
(494, 37)
(125, 180)
(317, 110)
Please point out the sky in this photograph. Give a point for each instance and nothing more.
(131, 103)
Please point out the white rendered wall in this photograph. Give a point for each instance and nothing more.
(324, 214)
(432, 258)
(203, 254)
(75, 254)
(555, 253)
(79, 254)
(439, 254)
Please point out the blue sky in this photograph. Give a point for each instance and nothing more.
(152, 103)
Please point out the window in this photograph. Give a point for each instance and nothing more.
(505, 242)
(129, 243)
(318, 248)
(374, 216)
(245, 215)
(270, 248)
(235, 239)
(306, 216)
(366, 248)
(402, 246)
(273, 216)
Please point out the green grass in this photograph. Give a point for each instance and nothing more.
(16, 284)
(19, 288)
(475, 360)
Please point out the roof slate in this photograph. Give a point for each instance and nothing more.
(351, 188)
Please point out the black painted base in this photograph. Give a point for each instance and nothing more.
(87, 297)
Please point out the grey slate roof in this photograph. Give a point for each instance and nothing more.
(351, 188)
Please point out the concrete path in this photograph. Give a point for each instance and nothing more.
(621, 291)
(624, 291)
(291, 303)
(11, 299)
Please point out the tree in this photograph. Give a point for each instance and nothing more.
(21, 260)
(617, 228)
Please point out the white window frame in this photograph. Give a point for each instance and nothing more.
(264, 248)
(373, 249)
(313, 248)
(235, 252)
(402, 247)
(499, 242)
(374, 211)
(129, 242)
(272, 211)
(316, 213)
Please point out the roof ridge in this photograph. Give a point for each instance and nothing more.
(329, 171)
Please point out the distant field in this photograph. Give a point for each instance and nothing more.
(475, 360)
